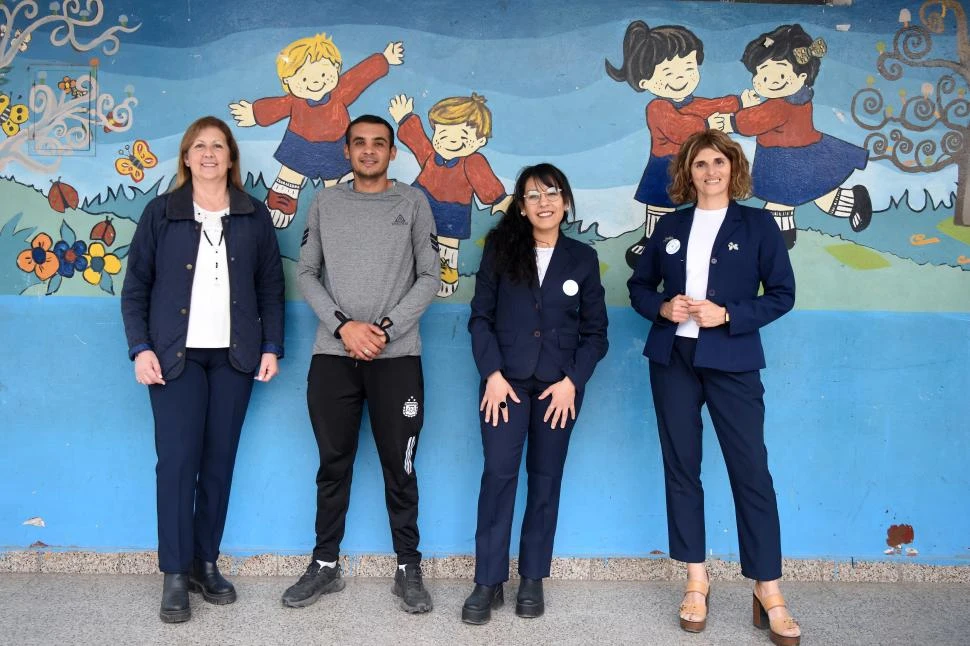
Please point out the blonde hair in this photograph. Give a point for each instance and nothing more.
(463, 109)
(681, 187)
(184, 173)
(294, 55)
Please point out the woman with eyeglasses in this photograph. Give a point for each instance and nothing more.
(538, 326)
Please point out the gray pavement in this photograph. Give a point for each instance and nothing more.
(68, 609)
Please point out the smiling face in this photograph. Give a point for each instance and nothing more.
(675, 78)
(710, 173)
(208, 156)
(313, 80)
(545, 208)
(369, 151)
(775, 79)
(458, 140)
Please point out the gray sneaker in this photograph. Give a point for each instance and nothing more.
(409, 586)
(315, 581)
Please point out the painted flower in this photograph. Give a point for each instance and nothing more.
(39, 258)
(71, 257)
(98, 262)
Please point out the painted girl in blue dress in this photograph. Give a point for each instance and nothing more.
(666, 61)
(794, 163)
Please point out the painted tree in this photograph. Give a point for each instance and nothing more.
(62, 121)
(931, 128)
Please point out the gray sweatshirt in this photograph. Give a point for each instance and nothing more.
(367, 257)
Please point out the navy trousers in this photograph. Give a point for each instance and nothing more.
(544, 462)
(735, 401)
(198, 420)
(394, 390)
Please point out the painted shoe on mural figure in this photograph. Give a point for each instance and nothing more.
(861, 208)
(693, 616)
(789, 235)
(529, 602)
(281, 207)
(207, 579)
(481, 602)
(783, 631)
(175, 599)
(408, 585)
(634, 252)
(317, 580)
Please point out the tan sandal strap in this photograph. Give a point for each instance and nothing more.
(693, 585)
(772, 601)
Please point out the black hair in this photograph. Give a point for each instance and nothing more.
(780, 45)
(369, 118)
(512, 237)
(645, 48)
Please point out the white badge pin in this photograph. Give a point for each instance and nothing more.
(570, 287)
(673, 246)
(732, 246)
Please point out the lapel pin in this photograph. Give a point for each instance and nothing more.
(733, 246)
(673, 246)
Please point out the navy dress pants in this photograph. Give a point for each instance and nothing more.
(544, 462)
(198, 420)
(735, 401)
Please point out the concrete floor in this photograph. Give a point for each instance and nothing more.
(69, 609)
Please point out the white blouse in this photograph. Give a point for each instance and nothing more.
(700, 243)
(209, 307)
(543, 256)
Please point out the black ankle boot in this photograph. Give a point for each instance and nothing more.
(529, 602)
(479, 604)
(205, 578)
(175, 599)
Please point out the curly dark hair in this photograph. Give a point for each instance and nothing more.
(512, 239)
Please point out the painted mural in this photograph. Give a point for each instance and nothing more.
(857, 132)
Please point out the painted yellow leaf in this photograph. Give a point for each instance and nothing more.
(857, 257)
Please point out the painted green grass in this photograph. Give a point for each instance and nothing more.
(857, 257)
(947, 227)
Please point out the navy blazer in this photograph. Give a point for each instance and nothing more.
(158, 285)
(547, 332)
(748, 253)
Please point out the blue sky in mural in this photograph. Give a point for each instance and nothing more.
(198, 59)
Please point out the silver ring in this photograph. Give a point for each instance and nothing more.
(367, 352)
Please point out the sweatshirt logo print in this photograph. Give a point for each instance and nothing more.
(399, 220)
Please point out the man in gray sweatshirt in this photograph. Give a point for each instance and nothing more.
(368, 268)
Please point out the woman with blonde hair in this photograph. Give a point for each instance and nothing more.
(202, 305)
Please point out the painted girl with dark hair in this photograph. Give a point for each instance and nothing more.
(794, 163)
(666, 61)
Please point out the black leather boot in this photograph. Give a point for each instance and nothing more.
(529, 602)
(479, 604)
(205, 578)
(175, 599)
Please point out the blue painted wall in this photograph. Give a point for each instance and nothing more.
(866, 428)
(866, 380)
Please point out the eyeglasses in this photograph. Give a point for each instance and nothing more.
(552, 194)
